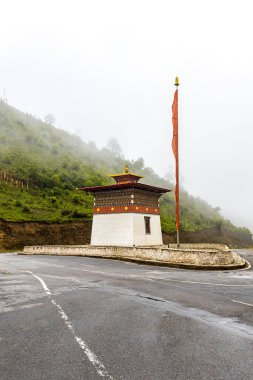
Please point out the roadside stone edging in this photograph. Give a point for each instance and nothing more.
(210, 257)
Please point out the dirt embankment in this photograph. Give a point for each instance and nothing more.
(212, 235)
(15, 235)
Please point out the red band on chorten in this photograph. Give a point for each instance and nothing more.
(126, 209)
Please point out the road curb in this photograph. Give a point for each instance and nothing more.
(200, 260)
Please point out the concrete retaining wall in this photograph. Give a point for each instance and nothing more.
(209, 258)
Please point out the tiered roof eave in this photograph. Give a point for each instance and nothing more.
(134, 185)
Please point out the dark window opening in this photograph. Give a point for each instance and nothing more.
(147, 224)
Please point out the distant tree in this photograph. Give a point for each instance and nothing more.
(65, 164)
(218, 225)
(138, 165)
(169, 177)
(29, 138)
(56, 179)
(49, 119)
(91, 146)
(54, 149)
(75, 166)
(114, 147)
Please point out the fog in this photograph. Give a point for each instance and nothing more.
(107, 68)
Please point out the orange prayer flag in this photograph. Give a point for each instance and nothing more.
(175, 125)
(175, 151)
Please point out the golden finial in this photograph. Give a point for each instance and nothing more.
(176, 81)
(126, 169)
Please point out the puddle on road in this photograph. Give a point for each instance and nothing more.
(231, 325)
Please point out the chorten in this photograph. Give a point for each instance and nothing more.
(126, 213)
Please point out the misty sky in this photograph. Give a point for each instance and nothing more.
(106, 68)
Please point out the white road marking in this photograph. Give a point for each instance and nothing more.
(44, 285)
(99, 366)
(244, 303)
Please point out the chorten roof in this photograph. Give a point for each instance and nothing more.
(126, 177)
(123, 181)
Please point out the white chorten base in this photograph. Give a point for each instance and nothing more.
(125, 230)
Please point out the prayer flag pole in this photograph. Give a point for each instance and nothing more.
(175, 151)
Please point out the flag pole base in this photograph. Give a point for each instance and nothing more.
(178, 242)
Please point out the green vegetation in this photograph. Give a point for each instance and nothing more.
(41, 167)
(54, 205)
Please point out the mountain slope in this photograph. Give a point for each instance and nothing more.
(41, 167)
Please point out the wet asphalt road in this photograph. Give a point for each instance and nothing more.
(86, 318)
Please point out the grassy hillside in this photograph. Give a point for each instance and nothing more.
(41, 167)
